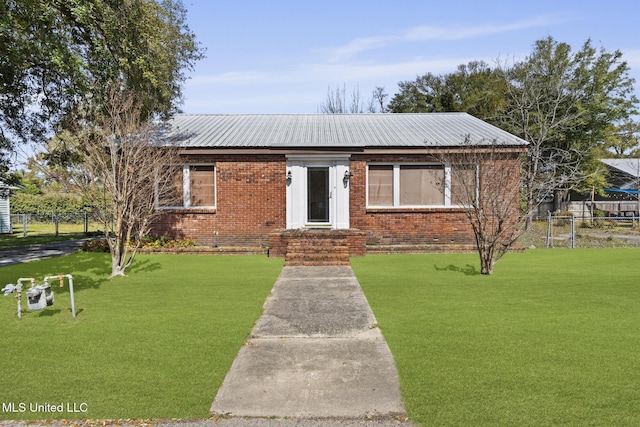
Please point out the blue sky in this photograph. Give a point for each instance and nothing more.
(281, 56)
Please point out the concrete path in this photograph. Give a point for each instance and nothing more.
(36, 252)
(315, 353)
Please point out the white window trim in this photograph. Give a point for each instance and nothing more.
(186, 189)
(396, 186)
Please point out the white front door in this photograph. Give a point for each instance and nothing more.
(317, 193)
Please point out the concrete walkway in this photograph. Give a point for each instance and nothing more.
(315, 353)
(36, 252)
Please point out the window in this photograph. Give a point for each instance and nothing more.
(190, 186)
(421, 185)
(407, 184)
(381, 185)
(464, 185)
(202, 181)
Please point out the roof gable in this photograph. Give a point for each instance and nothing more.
(333, 130)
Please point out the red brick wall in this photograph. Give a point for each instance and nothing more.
(250, 203)
(424, 226)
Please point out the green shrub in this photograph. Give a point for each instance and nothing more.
(46, 204)
(165, 242)
(99, 245)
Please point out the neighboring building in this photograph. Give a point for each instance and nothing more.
(618, 200)
(5, 209)
(370, 177)
(624, 175)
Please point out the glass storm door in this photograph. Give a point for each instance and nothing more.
(318, 194)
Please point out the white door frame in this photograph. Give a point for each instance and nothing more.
(297, 196)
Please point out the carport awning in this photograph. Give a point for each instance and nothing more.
(620, 190)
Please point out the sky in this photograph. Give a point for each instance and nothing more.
(282, 56)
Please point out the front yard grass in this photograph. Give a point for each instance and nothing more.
(156, 344)
(42, 233)
(550, 339)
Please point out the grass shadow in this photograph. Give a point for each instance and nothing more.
(49, 312)
(87, 270)
(144, 266)
(467, 270)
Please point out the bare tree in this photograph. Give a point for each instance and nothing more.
(336, 101)
(484, 181)
(127, 164)
(378, 102)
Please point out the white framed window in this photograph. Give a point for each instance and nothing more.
(191, 186)
(419, 184)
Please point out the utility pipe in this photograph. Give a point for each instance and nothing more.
(19, 291)
(61, 277)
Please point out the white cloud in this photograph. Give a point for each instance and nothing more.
(327, 72)
(300, 88)
(298, 85)
(229, 78)
(438, 33)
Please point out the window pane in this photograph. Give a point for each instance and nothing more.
(421, 185)
(463, 184)
(171, 193)
(380, 185)
(202, 186)
(318, 194)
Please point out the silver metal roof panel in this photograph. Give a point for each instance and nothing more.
(333, 130)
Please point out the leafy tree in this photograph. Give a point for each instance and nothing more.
(474, 88)
(566, 105)
(27, 182)
(624, 140)
(572, 106)
(55, 54)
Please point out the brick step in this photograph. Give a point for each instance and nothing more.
(318, 242)
(312, 256)
(316, 263)
(313, 249)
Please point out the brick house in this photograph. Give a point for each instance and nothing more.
(368, 180)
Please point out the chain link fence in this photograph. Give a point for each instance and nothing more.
(561, 231)
(56, 224)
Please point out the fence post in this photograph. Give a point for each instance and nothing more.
(24, 225)
(573, 231)
(549, 242)
(55, 222)
(86, 223)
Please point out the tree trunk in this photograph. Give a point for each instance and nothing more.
(560, 200)
(487, 260)
(116, 269)
(117, 258)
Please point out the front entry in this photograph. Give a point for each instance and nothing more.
(318, 195)
(317, 191)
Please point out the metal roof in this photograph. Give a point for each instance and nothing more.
(333, 130)
(629, 166)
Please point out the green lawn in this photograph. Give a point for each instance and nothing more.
(40, 233)
(552, 338)
(155, 344)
